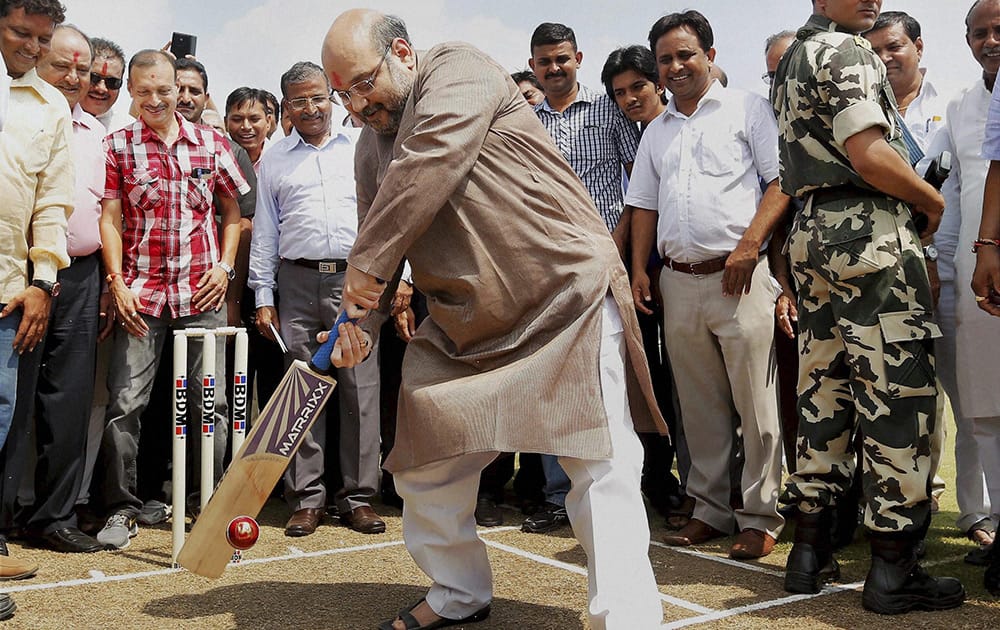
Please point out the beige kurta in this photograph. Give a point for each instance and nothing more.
(515, 262)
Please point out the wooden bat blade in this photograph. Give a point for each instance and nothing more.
(247, 483)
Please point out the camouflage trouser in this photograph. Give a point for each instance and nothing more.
(866, 360)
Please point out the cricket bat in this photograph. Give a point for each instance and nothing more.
(259, 464)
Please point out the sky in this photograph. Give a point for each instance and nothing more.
(251, 42)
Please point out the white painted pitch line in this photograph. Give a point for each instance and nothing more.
(791, 599)
(774, 603)
(727, 561)
(96, 574)
(675, 601)
(295, 551)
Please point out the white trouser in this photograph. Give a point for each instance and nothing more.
(987, 434)
(604, 505)
(970, 484)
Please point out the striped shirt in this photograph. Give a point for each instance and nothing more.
(596, 139)
(169, 238)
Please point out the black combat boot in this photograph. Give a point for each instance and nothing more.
(991, 579)
(811, 563)
(897, 583)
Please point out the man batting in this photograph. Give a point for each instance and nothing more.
(531, 344)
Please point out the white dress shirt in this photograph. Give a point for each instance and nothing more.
(925, 113)
(700, 172)
(306, 206)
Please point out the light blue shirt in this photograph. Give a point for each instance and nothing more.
(306, 206)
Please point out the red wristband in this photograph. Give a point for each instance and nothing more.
(984, 242)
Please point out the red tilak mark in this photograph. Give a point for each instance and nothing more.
(76, 57)
(335, 77)
(104, 68)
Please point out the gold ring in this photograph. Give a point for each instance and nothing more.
(980, 298)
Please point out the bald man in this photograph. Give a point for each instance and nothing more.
(531, 343)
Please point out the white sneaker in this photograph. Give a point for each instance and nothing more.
(118, 531)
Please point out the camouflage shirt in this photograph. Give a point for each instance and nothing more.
(828, 86)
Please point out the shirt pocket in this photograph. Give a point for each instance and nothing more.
(716, 155)
(198, 194)
(594, 143)
(143, 190)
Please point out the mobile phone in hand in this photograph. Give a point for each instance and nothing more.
(182, 45)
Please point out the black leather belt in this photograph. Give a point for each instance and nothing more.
(322, 266)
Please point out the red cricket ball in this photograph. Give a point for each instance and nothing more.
(242, 532)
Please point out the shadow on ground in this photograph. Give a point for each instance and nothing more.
(338, 606)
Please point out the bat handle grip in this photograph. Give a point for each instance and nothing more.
(320, 361)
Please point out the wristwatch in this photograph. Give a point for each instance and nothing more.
(930, 252)
(52, 288)
(228, 269)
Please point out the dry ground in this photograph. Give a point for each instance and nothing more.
(340, 579)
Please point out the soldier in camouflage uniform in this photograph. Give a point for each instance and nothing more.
(864, 309)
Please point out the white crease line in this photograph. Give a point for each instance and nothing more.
(774, 603)
(101, 578)
(721, 560)
(96, 574)
(295, 551)
(791, 599)
(581, 571)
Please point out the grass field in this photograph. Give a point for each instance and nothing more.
(340, 579)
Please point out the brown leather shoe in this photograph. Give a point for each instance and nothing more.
(694, 533)
(750, 544)
(14, 569)
(303, 522)
(363, 519)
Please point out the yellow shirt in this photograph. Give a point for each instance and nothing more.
(36, 184)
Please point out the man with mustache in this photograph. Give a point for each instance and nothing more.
(107, 76)
(864, 307)
(37, 189)
(598, 141)
(166, 268)
(304, 229)
(59, 390)
(531, 343)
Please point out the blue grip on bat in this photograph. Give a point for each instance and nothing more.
(320, 361)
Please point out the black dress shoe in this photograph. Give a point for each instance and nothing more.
(68, 540)
(488, 514)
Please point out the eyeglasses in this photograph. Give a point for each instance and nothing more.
(768, 77)
(365, 87)
(299, 104)
(112, 83)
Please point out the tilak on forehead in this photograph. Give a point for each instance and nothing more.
(104, 68)
(76, 56)
(336, 78)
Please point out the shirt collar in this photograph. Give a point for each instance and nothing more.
(186, 131)
(84, 119)
(31, 80)
(583, 95)
(337, 134)
(715, 93)
(819, 24)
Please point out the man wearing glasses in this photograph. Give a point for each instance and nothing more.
(106, 81)
(304, 229)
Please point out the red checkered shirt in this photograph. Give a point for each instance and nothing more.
(169, 237)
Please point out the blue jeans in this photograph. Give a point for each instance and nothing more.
(8, 371)
(556, 481)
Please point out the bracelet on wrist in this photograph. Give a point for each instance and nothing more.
(108, 279)
(984, 242)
